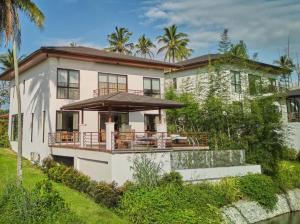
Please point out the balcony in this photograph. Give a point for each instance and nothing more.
(294, 117)
(106, 91)
(129, 141)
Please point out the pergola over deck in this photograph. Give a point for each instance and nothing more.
(122, 102)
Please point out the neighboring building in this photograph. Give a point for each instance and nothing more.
(238, 80)
(97, 111)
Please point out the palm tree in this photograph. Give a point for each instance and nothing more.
(174, 44)
(7, 60)
(11, 30)
(119, 41)
(286, 63)
(239, 50)
(143, 47)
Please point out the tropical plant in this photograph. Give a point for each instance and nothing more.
(144, 46)
(286, 63)
(7, 60)
(239, 50)
(119, 41)
(175, 45)
(10, 28)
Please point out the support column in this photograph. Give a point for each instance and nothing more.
(109, 129)
(161, 129)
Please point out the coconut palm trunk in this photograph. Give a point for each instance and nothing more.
(17, 84)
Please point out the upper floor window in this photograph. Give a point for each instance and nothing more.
(175, 83)
(152, 87)
(293, 109)
(272, 85)
(111, 83)
(68, 82)
(255, 84)
(236, 81)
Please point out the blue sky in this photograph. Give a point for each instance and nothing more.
(263, 24)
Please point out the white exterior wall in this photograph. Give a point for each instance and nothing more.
(40, 95)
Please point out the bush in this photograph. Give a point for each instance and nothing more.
(289, 175)
(259, 188)
(229, 189)
(289, 154)
(171, 178)
(41, 205)
(106, 194)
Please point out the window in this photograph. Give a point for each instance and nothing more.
(31, 127)
(14, 127)
(67, 121)
(175, 83)
(272, 85)
(238, 106)
(68, 84)
(111, 83)
(236, 81)
(152, 87)
(293, 109)
(44, 119)
(150, 122)
(255, 84)
(24, 87)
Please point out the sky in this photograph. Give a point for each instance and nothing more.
(264, 25)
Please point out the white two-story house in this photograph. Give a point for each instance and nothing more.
(239, 79)
(97, 111)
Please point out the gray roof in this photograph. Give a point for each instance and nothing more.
(122, 102)
(294, 92)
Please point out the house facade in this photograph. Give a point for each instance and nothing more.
(100, 111)
(238, 80)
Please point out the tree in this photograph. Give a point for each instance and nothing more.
(286, 63)
(73, 44)
(144, 46)
(297, 69)
(224, 43)
(7, 60)
(175, 45)
(119, 41)
(239, 50)
(10, 28)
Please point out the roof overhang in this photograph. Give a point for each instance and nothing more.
(122, 102)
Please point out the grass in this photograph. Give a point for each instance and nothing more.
(79, 203)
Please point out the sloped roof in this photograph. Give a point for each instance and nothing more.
(294, 92)
(122, 102)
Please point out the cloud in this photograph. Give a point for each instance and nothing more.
(263, 24)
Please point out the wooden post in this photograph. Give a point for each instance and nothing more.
(159, 115)
(82, 117)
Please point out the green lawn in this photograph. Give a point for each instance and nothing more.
(79, 203)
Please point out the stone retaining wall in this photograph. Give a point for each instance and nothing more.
(248, 212)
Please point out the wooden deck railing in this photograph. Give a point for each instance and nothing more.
(64, 139)
(294, 117)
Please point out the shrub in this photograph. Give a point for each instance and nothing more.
(41, 205)
(289, 175)
(259, 188)
(171, 178)
(289, 154)
(229, 188)
(146, 172)
(48, 163)
(104, 193)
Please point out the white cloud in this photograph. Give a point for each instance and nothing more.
(263, 24)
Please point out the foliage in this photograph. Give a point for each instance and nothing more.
(259, 188)
(146, 172)
(4, 141)
(119, 41)
(175, 45)
(224, 43)
(7, 60)
(41, 205)
(239, 50)
(144, 46)
(106, 194)
(4, 93)
(171, 178)
(288, 175)
(289, 154)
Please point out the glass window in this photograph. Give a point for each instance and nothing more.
(67, 84)
(293, 109)
(152, 87)
(111, 83)
(236, 81)
(255, 84)
(174, 83)
(67, 121)
(150, 122)
(14, 127)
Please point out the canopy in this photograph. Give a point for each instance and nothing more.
(122, 102)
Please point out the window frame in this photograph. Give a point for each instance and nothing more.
(68, 83)
(258, 89)
(67, 111)
(152, 94)
(107, 80)
(236, 84)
